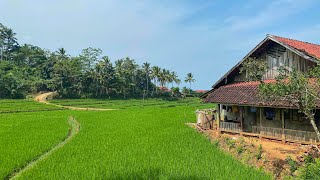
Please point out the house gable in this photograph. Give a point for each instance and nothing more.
(277, 51)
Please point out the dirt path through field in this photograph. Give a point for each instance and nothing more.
(42, 98)
(74, 129)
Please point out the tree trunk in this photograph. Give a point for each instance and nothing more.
(152, 94)
(313, 123)
(147, 85)
(107, 91)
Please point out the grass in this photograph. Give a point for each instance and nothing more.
(24, 136)
(149, 141)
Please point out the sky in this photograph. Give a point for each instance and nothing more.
(205, 37)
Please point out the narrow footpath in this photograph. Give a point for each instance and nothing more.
(74, 129)
(42, 98)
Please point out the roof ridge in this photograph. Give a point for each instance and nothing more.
(270, 35)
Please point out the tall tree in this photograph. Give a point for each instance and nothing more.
(189, 79)
(62, 53)
(89, 57)
(147, 71)
(106, 75)
(174, 78)
(8, 42)
(155, 74)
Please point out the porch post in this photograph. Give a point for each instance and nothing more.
(260, 114)
(242, 116)
(218, 117)
(282, 126)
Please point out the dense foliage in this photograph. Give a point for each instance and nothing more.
(254, 69)
(27, 69)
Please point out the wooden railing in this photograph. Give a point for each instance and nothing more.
(268, 131)
(286, 134)
(295, 135)
(230, 126)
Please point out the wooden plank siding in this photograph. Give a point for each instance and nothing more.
(278, 56)
(286, 59)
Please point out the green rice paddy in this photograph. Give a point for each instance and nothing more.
(11, 106)
(140, 140)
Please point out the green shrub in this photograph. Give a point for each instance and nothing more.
(310, 170)
(231, 143)
(308, 159)
(292, 163)
(259, 154)
(240, 149)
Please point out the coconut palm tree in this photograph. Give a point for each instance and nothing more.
(164, 77)
(62, 53)
(155, 74)
(189, 79)
(174, 78)
(147, 70)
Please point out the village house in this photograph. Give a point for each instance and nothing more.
(241, 111)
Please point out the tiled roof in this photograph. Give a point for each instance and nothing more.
(308, 48)
(244, 93)
(200, 91)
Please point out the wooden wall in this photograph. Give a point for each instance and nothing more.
(293, 120)
(278, 56)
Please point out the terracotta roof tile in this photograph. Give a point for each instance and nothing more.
(244, 93)
(309, 48)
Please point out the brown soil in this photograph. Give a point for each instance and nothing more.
(42, 98)
(277, 149)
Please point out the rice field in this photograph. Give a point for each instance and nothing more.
(24, 136)
(130, 103)
(11, 106)
(140, 140)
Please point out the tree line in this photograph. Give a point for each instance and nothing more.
(28, 69)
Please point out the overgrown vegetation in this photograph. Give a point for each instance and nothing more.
(310, 170)
(254, 69)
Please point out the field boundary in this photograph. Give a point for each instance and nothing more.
(74, 130)
(38, 110)
(42, 98)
